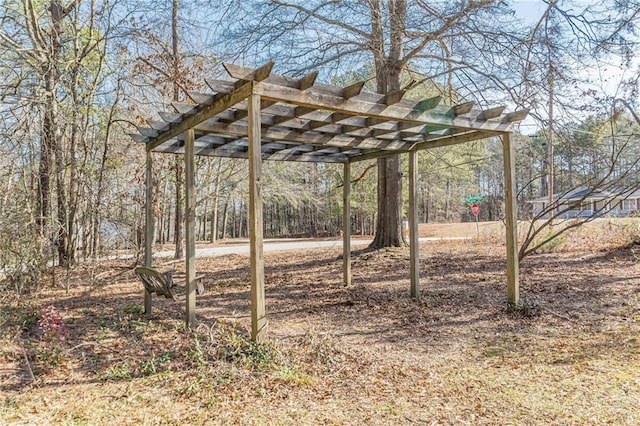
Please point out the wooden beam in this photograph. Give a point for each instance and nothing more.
(201, 98)
(429, 144)
(190, 227)
(394, 97)
(158, 125)
(170, 117)
(491, 113)
(148, 226)
(137, 137)
(414, 246)
(353, 90)
(222, 102)
(337, 117)
(258, 311)
(428, 104)
(307, 81)
(328, 139)
(147, 132)
(447, 140)
(220, 86)
(516, 115)
(184, 109)
(513, 272)
(360, 107)
(248, 74)
(283, 155)
(463, 108)
(346, 224)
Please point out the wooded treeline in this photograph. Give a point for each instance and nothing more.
(76, 76)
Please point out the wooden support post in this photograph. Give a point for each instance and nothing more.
(190, 227)
(148, 226)
(258, 311)
(346, 224)
(414, 245)
(513, 285)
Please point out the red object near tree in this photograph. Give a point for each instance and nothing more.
(475, 209)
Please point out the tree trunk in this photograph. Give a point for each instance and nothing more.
(179, 253)
(388, 69)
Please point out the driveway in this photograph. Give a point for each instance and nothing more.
(282, 245)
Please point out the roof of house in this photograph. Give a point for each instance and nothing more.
(589, 193)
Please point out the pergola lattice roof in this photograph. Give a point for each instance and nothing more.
(303, 120)
(264, 116)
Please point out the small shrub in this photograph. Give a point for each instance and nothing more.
(53, 333)
(52, 326)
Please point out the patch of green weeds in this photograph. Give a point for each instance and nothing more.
(294, 376)
(30, 320)
(10, 402)
(103, 333)
(155, 364)
(196, 354)
(191, 387)
(122, 372)
(134, 309)
(49, 357)
(388, 409)
(140, 327)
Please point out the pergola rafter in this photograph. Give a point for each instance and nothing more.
(263, 116)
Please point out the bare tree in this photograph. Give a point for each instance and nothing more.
(443, 40)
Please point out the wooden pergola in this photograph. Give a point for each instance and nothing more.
(263, 116)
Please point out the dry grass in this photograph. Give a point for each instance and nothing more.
(367, 354)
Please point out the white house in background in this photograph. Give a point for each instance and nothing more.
(586, 202)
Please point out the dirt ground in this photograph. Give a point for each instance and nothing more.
(364, 354)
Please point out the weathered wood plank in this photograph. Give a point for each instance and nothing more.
(184, 109)
(220, 86)
(258, 310)
(148, 132)
(148, 225)
(394, 97)
(305, 158)
(274, 134)
(201, 98)
(158, 125)
(414, 248)
(222, 102)
(429, 144)
(353, 106)
(307, 81)
(463, 108)
(170, 117)
(516, 115)
(428, 104)
(137, 137)
(190, 227)
(353, 90)
(346, 224)
(513, 269)
(491, 113)
(248, 74)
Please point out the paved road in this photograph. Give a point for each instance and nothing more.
(281, 245)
